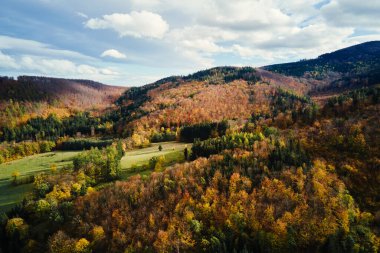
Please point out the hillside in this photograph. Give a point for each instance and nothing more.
(265, 168)
(77, 94)
(310, 185)
(237, 93)
(207, 96)
(29, 96)
(348, 68)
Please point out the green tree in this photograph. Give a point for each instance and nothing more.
(186, 153)
(15, 175)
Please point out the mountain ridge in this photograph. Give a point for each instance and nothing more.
(348, 68)
(46, 87)
(243, 91)
(31, 96)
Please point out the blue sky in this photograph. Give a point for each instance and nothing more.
(134, 42)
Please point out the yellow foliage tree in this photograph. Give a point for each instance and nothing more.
(82, 246)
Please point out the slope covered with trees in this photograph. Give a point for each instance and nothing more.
(28, 97)
(83, 94)
(272, 167)
(348, 68)
(214, 95)
(262, 191)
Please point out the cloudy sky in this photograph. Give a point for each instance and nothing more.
(133, 42)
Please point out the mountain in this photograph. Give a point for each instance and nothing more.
(351, 67)
(206, 96)
(31, 96)
(81, 94)
(299, 160)
(237, 93)
(276, 163)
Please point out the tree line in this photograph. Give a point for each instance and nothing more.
(13, 151)
(52, 127)
(81, 144)
(203, 131)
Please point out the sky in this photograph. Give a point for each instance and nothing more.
(134, 42)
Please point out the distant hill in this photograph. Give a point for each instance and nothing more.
(351, 67)
(222, 93)
(239, 92)
(82, 94)
(30, 96)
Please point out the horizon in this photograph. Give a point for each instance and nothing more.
(183, 75)
(132, 43)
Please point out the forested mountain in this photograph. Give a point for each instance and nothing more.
(30, 96)
(207, 96)
(350, 67)
(83, 94)
(283, 158)
(237, 93)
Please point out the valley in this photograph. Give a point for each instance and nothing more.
(11, 195)
(282, 158)
(132, 163)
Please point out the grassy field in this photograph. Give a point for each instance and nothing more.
(139, 157)
(133, 161)
(131, 164)
(31, 165)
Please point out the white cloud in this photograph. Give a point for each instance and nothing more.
(199, 61)
(205, 46)
(82, 15)
(34, 47)
(260, 30)
(109, 72)
(86, 70)
(113, 53)
(298, 10)
(136, 24)
(7, 62)
(353, 13)
(266, 44)
(311, 36)
(244, 52)
(203, 33)
(244, 15)
(41, 59)
(145, 3)
(48, 66)
(60, 67)
(199, 43)
(361, 39)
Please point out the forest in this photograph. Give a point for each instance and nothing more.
(257, 188)
(52, 127)
(267, 163)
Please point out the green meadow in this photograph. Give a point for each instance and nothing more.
(131, 164)
(133, 161)
(28, 166)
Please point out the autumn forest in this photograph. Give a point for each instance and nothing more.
(282, 158)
